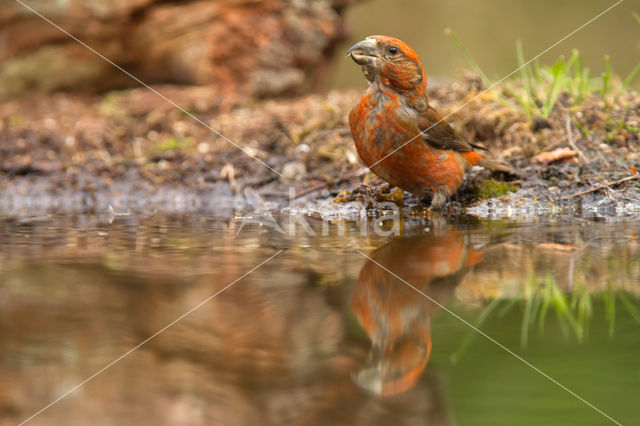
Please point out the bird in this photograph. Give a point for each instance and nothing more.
(399, 136)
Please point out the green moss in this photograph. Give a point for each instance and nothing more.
(15, 121)
(109, 104)
(492, 188)
(173, 143)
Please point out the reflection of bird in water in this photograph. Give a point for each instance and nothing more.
(397, 318)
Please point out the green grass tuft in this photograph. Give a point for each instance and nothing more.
(539, 87)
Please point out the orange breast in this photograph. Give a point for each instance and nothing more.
(380, 124)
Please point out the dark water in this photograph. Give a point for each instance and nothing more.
(344, 327)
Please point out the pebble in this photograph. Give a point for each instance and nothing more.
(294, 170)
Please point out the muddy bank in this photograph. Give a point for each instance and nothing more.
(133, 151)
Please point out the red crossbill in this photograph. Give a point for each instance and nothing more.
(398, 135)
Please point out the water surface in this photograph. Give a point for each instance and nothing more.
(341, 327)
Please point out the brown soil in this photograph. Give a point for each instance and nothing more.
(133, 150)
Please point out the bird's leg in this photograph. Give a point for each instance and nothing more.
(384, 188)
(438, 200)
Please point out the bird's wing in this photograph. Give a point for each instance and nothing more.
(438, 133)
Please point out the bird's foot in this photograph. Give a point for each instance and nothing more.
(438, 200)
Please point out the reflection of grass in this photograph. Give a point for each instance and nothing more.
(629, 306)
(574, 310)
(539, 297)
(582, 306)
(470, 337)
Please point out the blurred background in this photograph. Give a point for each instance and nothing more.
(283, 47)
(489, 30)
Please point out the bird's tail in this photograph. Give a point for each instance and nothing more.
(472, 158)
(496, 166)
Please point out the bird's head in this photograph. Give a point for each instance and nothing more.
(393, 62)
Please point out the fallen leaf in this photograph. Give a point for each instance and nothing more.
(558, 154)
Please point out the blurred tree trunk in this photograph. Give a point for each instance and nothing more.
(244, 48)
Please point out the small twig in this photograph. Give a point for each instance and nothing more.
(570, 138)
(312, 189)
(599, 187)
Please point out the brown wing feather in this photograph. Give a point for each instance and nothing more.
(440, 134)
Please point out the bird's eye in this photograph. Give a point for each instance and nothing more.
(393, 50)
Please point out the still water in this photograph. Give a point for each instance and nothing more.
(345, 327)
